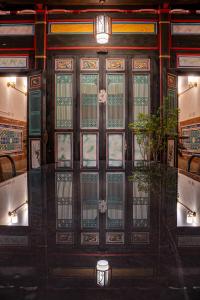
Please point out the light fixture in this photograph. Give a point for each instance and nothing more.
(102, 96)
(12, 83)
(103, 273)
(13, 214)
(102, 27)
(191, 215)
(192, 82)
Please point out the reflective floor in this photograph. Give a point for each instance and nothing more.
(56, 224)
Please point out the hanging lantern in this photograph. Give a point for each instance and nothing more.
(103, 273)
(103, 29)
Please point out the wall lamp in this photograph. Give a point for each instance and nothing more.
(12, 84)
(192, 82)
(103, 273)
(13, 214)
(191, 215)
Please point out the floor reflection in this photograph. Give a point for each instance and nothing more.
(130, 218)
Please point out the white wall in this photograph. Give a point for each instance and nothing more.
(13, 104)
(189, 102)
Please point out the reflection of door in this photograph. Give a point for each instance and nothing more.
(90, 128)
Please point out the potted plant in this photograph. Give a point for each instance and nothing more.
(152, 130)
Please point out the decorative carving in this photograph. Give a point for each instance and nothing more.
(64, 64)
(141, 64)
(115, 64)
(89, 64)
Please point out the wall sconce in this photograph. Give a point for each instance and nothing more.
(13, 214)
(191, 215)
(12, 84)
(103, 273)
(192, 82)
(102, 27)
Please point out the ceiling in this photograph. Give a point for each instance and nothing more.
(25, 4)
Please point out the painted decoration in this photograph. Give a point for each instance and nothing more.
(64, 237)
(118, 27)
(16, 29)
(114, 237)
(115, 105)
(115, 64)
(35, 81)
(89, 106)
(140, 237)
(141, 64)
(64, 64)
(13, 62)
(89, 238)
(13, 240)
(64, 149)
(115, 145)
(185, 28)
(10, 139)
(192, 142)
(188, 61)
(64, 205)
(171, 81)
(89, 150)
(35, 153)
(64, 101)
(89, 200)
(171, 152)
(35, 112)
(89, 64)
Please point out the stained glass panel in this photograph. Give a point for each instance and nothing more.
(64, 200)
(115, 105)
(115, 145)
(64, 149)
(64, 101)
(35, 112)
(89, 86)
(89, 150)
(115, 193)
(89, 200)
(141, 94)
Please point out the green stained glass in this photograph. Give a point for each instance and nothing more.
(89, 85)
(141, 94)
(35, 112)
(64, 101)
(115, 105)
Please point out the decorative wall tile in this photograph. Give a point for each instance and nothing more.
(114, 237)
(13, 62)
(90, 238)
(188, 61)
(35, 82)
(64, 237)
(64, 146)
(140, 237)
(64, 101)
(35, 147)
(64, 64)
(141, 64)
(16, 29)
(10, 139)
(185, 28)
(115, 64)
(89, 64)
(35, 112)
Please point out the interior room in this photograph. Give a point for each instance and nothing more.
(99, 149)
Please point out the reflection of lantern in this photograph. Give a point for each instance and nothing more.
(191, 217)
(103, 273)
(192, 81)
(14, 217)
(103, 29)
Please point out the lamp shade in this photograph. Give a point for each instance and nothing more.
(103, 29)
(103, 273)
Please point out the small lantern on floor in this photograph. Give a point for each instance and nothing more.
(103, 273)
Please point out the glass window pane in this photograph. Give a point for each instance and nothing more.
(64, 200)
(115, 150)
(141, 94)
(115, 183)
(64, 149)
(89, 86)
(89, 150)
(64, 101)
(141, 203)
(115, 105)
(89, 200)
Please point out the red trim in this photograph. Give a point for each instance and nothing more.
(16, 49)
(15, 54)
(100, 48)
(91, 20)
(76, 11)
(45, 39)
(164, 11)
(17, 21)
(186, 21)
(160, 60)
(184, 48)
(105, 254)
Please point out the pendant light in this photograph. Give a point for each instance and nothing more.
(102, 27)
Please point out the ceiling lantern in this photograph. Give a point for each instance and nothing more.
(102, 28)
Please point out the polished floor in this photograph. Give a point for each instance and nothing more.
(56, 224)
